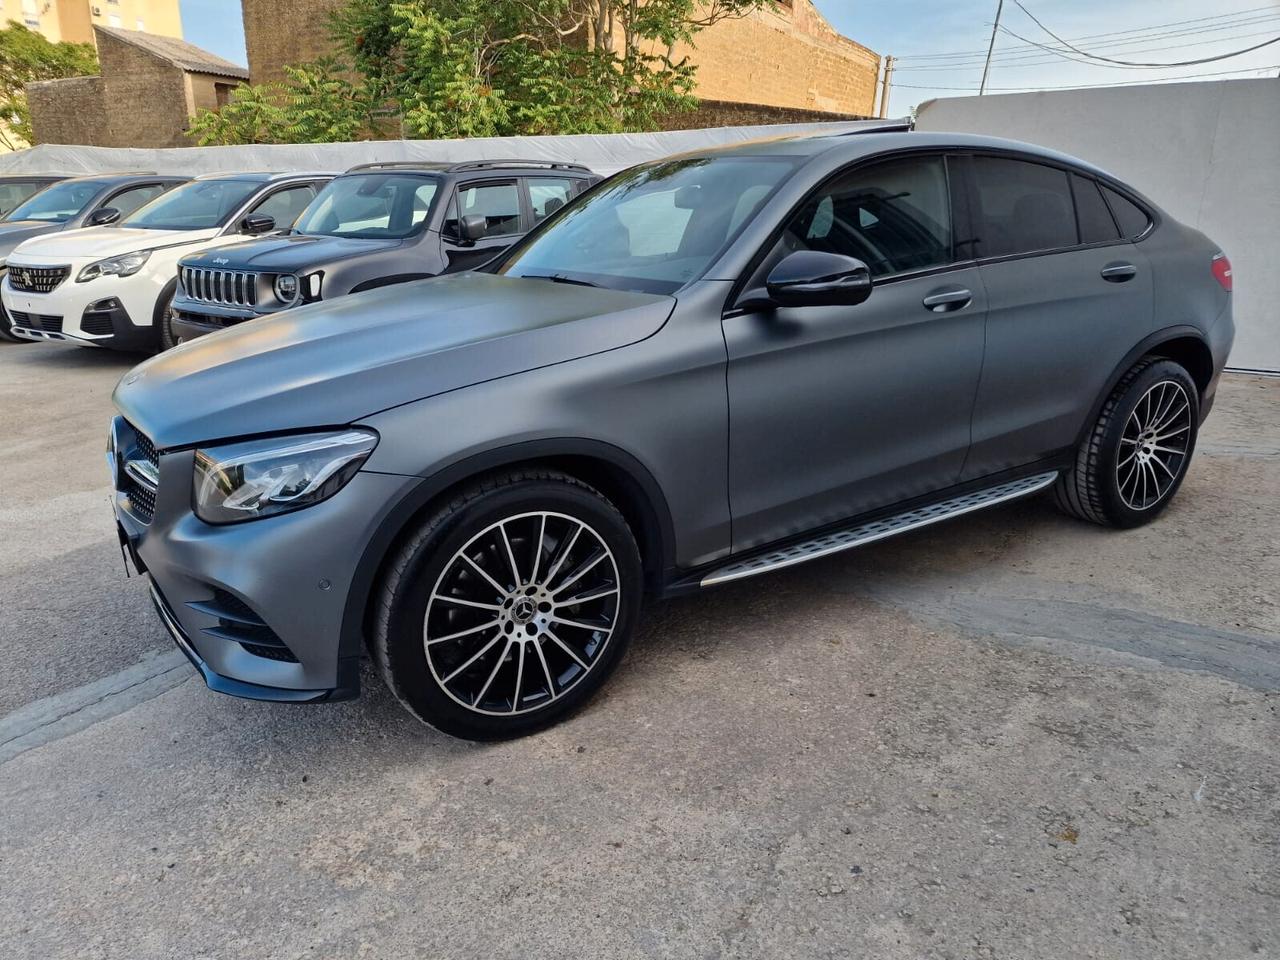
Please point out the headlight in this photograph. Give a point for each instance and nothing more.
(125, 266)
(260, 478)
(287, 288)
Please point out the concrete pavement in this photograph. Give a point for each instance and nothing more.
(1012, 736)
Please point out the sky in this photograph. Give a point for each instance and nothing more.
(1137, 30)
(942, 43)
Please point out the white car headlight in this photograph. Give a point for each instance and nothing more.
(125, 266)
(260, 478)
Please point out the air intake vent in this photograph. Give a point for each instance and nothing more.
(238, 623)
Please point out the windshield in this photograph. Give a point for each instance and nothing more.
(14, 192)
(59, 203)
(198, 205)
(653, 228)
(370, 206)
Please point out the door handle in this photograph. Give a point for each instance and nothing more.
(944, 301)
(1119, 272)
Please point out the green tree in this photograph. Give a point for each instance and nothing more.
(470, 68)
(25, 57)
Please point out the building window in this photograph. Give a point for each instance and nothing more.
(139, 24)
(114, 19)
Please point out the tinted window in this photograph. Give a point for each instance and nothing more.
(894, 216)
(547, 195)
(60, 202)
(654, 227)
(370, 206)
(127, 201)
(1021, 207)
(1096, 225)
(498, 203)
(284, 206)
(198, 205)
(1132, 218)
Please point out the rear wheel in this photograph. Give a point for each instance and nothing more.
(509, 607)
(1137, 454)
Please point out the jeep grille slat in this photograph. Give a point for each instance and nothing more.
(228, 288)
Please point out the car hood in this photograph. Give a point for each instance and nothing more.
(14, 232)
(97, 242)
(294, 253)
(329, 364)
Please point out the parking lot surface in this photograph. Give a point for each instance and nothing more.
(1012, 735)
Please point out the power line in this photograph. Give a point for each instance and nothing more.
(1037, 56)
(1042, 60)
(1086, 86)
(1269, 9)
(1128, 63)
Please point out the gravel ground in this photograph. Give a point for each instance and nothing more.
(1012, 735)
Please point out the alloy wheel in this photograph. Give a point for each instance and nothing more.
(521, 613)
(1154, 445)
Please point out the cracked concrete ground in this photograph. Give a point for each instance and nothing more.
(1012, 735)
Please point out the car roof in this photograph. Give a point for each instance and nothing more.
(115, 178)
(268, 176)
(850, 145)
(28, 177)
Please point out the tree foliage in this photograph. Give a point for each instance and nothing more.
(25, 57)
(473, 68)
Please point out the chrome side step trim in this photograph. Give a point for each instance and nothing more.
(865, 533)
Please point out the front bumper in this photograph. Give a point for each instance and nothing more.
(92, 314)
(289, 575)
(195, 318)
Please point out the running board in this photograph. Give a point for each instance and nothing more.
(865, 533)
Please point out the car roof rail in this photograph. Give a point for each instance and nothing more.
(399, 164)
(905, 125)
(541, 164)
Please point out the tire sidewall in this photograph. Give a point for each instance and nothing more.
(1120, 513)
(405, 651)
(164, 311)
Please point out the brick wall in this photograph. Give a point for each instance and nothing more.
(284, 32)
(67, 111)
(725, 113)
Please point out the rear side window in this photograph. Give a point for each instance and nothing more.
(1132, 218)
(894, 216)
(1021, 207)
(1096, 225)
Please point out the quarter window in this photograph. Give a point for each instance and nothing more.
(895, 217)
(547, 195)
(1132, 218)
(1021, 207)
(1096, 225)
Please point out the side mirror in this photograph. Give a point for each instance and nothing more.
(811, 278)
(473, 227)
(256, 223)
(102, 216)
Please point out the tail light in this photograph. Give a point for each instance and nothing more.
(1222, 271)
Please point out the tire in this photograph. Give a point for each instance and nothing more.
(1134, 459)
(163, 317)
(482, 654)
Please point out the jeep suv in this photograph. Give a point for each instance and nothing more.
(708, 368)
(378, 224)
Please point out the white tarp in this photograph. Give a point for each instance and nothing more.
(1209, 153)
(603, 153)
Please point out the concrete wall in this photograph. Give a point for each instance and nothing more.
(785, 55)
(1208, 153)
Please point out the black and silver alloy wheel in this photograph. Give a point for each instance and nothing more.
(1154, 445)
(1136, 454)
(508, 606)
(521, 613)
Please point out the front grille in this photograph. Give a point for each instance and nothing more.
(37, 279)
(233, 288)
(134, 445)
(239, 623)
(36, 321)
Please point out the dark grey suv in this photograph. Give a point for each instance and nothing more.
(701, 370)
(378, 224)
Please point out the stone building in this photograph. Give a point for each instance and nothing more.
(781, 63)
(148, 90)
(74, 20)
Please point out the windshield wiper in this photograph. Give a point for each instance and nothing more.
(558, 278)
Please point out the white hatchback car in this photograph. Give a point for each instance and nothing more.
(109, 287)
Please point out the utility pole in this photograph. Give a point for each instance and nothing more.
(986, 68)
(884, 87)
